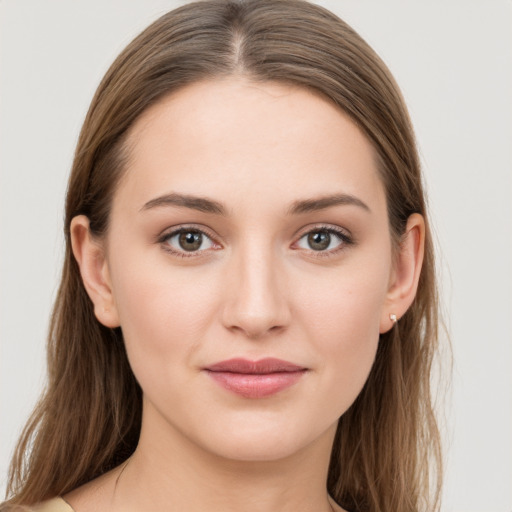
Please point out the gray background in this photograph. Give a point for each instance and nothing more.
(451, 58)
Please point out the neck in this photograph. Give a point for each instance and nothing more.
(176, 474)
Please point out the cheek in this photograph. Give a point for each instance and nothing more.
(342, 319)
(344, 307)
(163, 311)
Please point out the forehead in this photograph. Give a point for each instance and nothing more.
(238, 139)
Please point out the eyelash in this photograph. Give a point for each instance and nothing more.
(344, 238)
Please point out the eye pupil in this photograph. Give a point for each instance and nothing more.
(319, 240)
(190, 240)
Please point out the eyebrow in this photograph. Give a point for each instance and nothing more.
(324, 202)
(201, 204)
(206, 205)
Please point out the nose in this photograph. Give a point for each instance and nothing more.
(256, 303)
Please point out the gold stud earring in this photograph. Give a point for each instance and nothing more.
(393, 318)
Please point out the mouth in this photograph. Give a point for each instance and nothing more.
(255, 379)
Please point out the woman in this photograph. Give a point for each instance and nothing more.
(247, 314)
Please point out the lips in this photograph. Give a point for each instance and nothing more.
(255, 379)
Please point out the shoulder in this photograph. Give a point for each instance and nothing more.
(53, 505)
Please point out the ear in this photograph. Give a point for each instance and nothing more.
(406, 272)
(91, 258)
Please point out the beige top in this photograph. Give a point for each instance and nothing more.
(53, 505)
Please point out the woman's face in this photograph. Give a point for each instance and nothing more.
(251, 224)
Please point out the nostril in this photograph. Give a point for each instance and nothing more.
(255, 327)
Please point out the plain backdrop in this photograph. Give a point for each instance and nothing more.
(452, 59)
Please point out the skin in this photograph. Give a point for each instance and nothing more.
(255, 288)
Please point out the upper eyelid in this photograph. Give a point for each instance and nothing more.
(323, 227)
(174, 230)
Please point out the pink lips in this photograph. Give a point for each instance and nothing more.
(255, 379)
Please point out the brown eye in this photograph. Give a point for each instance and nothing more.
(190, 240)
(187, 240)
(319, 240)
(324, 240)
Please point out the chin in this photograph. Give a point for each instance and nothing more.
(248, 443)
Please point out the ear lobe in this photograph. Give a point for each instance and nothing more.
(90, 256)
(406, 272)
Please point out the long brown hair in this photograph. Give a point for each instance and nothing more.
(386, 454)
